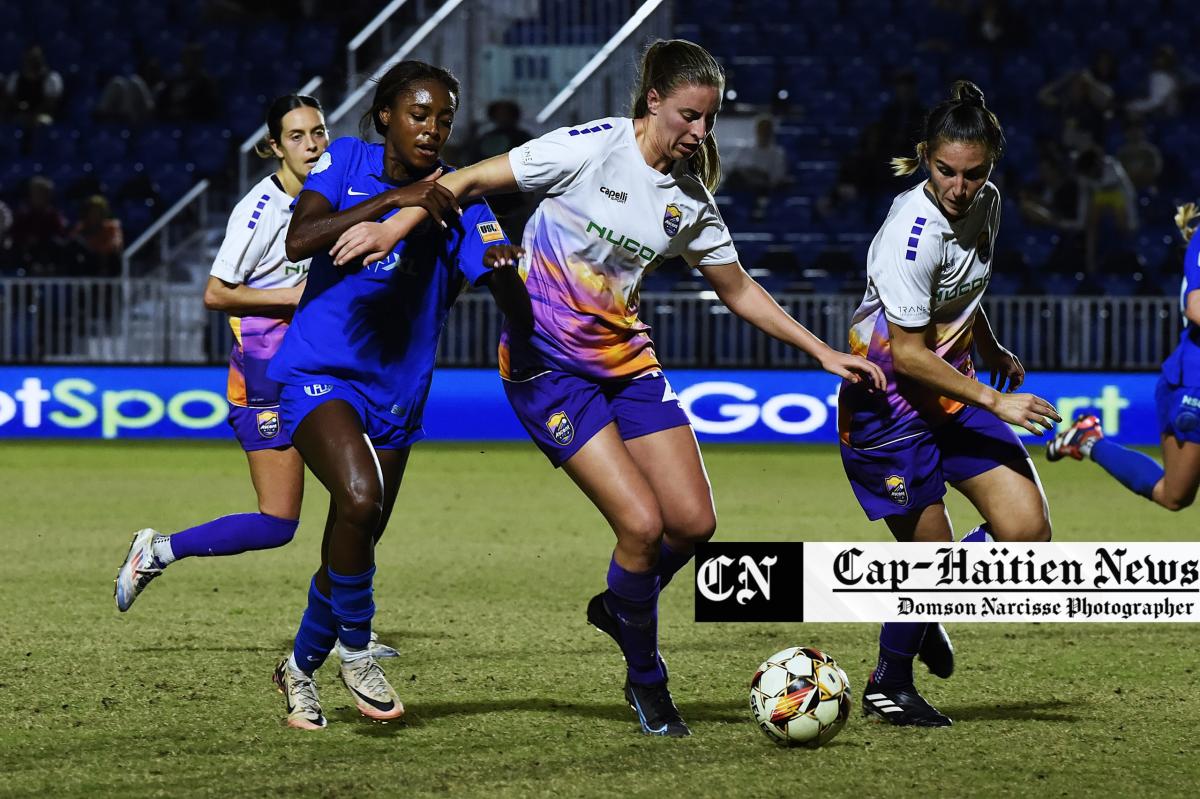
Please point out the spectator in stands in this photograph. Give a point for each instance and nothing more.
(504, 134)
(761, 167)
(1085, 96)
(130, 99)
(993, 25)
(1111, 207)
(191, 95)
(1141, 158)
(39, 228)
(99, 234)
(34, 90)
(1165, 85)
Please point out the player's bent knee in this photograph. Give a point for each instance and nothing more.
(695, 529)
(361, 509)
(1173, 503)
(641, 531)
(1030, 530)
(280, 531)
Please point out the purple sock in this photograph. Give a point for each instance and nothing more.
(669, 562)
(982, 533)
(230, 535)
(632, 598)
(898, 645)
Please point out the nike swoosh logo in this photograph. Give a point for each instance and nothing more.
(373, 702)
(348, 629)
(354, 193)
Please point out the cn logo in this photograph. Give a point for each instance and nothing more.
(712, 578)
(750, 581)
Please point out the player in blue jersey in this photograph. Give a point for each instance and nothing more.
(622, 194)
(1173, 484)
(357, 361)
(920, 320)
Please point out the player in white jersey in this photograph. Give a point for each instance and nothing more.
(254, 282)
(936, 424)
(621, 195)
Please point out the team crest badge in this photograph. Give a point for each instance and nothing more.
(984, 246)
(561, 428)
(268, 424)
(894, 484)
(671, 219)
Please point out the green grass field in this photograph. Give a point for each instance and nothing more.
(483, 577)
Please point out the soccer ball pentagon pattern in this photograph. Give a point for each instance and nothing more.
(800, 697)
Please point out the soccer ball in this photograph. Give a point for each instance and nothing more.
(800, 697)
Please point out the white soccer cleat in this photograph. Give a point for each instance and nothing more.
(374, 695)
(300, 691)
(139, 568)
(379, 650)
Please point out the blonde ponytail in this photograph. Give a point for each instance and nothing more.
(1187, 219)
(903, 166)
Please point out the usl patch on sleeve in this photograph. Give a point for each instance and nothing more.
(489, 232)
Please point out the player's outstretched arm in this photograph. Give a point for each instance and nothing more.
(238, 299)
(504, 281)
(316, 226)
(913, 358)
(371, 241)
(744, 296)
(1007, 373)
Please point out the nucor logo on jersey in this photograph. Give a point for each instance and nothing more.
(631, 245)
(978, 284)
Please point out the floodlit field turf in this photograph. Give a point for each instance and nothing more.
(484, 575)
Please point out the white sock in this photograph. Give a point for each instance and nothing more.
(291, 664)
(160, 546)
(349, 655)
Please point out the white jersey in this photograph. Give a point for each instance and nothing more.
(606, 221)
(253, 254)
(253, 250)
(922, 270)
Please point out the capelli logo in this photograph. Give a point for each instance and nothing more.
(614, 195)
(749, 582)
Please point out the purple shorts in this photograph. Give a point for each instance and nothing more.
(296, 402)
(1178, 410)
(904, 476)
(258, 428)
(561, 411)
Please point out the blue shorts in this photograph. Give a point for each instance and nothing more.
(258, 428)
(1178, 410)
(904, 476)
(561, 411)
(298, 401)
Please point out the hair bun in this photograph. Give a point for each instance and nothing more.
(967, 93)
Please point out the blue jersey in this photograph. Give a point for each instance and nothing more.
(1182, 366)
(376, 328)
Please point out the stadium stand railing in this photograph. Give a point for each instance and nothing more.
(107, 320)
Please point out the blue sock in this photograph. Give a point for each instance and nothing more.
(317, 633)
(669, 562)
(231, 535)
(632, 598)
(982, 533)
(898, 645)
(353, 607)
(1137, 472)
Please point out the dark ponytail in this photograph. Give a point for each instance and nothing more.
(963, 118)
(276, 111)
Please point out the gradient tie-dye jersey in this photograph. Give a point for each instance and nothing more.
(922, 271)
(1182, 366)
(607, 220)
(253, 253)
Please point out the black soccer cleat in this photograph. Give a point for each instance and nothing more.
(903, 707)
(599, 617)
(937, 652)
(656, 710)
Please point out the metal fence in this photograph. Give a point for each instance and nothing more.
(79, 320)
